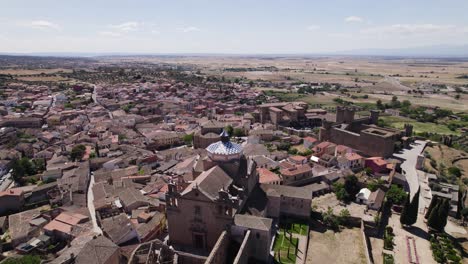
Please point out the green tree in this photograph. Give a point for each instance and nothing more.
(229, 129)
(344, 216)
(438, 217)
(454, 171)
(433, 203)
(18, 171)
(28, 166)
(96, 149)
(22, 167)
(404, 217)
(396, 195)
(368, 170)
(414, 208)
(188, 139)
(238, 132)
(77, 152)
(284, 146)
(405, 103)
(379, 104)
(433, 220)
(351, 185)
(340, 191)
(330, 219)
(443, 213)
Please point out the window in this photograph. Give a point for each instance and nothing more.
(257, 235)
(197, 210)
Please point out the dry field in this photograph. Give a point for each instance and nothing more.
(446, 155)
(339, 248)
(42, 79)
(375, 76)
(314, 68)
(32, 72)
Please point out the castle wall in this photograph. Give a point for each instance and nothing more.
(377, 146)
(369, 144)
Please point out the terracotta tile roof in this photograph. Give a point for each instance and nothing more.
(55, 225)
(353, 156)
(310, 139)
(266, 176)
(296, 170)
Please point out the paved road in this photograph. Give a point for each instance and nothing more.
(91, 208)
(94, 96)
(409, 157)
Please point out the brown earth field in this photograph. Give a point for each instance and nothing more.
(379, 78)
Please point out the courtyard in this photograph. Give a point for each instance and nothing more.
(326, 246)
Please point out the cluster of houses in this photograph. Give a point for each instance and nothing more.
(159, 170)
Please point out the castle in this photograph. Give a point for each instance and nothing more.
(362, 134)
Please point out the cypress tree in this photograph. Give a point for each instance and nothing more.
(96, 149)
(433, 219)
(414, 208)
(443, 214)
(434, 201)
(404, 217)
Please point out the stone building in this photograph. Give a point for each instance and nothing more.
(225, 215)
(22, 122)
(200, 213)
(287, 114)
(361, 134)
(208, 134)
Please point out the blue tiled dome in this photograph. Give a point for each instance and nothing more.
(224, 148)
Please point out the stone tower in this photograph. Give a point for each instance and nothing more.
(344, 114)
(374, 117)
(408, 130)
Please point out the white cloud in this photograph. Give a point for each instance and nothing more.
(313, 27)
(188, 29)
(354, 19)
(411, 29)
(126, 27)
(119, 30)
(110, 34)
(43, 25)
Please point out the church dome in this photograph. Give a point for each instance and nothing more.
(224, 149)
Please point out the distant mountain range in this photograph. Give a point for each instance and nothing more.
(436, 51)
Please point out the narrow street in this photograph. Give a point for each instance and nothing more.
(408, 165)
(91, 208)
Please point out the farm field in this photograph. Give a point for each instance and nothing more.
(399, 122)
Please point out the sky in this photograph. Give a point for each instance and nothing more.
(237, 26)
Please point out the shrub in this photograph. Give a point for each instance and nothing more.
(388, 259)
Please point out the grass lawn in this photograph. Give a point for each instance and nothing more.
(282, 243)
(399, 122)
(296, 228)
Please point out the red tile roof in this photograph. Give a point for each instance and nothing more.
(266, 176)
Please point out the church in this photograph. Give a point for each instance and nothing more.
(225, 214)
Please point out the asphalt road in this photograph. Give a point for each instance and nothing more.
(409, 158)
